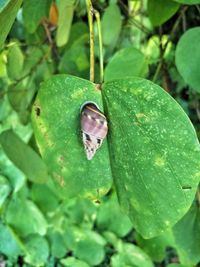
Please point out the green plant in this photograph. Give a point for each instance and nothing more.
(136, 202)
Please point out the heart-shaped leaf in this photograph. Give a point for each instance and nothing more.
(153, 149)
(56, 121)
(154, 154)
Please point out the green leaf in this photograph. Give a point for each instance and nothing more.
(111, 24)
(75, 61)
(151, 142)
(90, 248)
(159, 12)
(110, 217)
(127, 62)
(37, 250)
(188, 2)
(44, 197)
(188, 57)
(156, 247)
(8, 12)
(15, 61)
(10, 244)
(57, 244)
(57, 130)
(176, 265)
(73, 262)
(5, 189)
(24, 157)
(28, 219)
(187, 238)
(131, 255)
(33, 12)
(66, 11)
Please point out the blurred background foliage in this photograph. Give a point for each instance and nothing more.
(154, 39)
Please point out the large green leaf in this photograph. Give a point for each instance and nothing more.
(188, 57)
(24, 157)
(127, 62)
(187, 237)
(66, 11)
(56, 122)
(8, 12)
(159, 12)
(154, 154)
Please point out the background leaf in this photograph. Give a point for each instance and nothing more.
(160, 13)
(188, 2)
(188, 57)
(33, 13)
(189, 227)
(28, 219)
(127, 62)
(145, 166)
(111, 27)
(8, 12)
(24, 157)
(66, 10)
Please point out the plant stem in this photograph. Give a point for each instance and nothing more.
(97, 16)
(91, 29)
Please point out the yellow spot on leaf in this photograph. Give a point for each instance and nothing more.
(159, 162)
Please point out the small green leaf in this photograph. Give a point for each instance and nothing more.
(15, 61)
(90, 248)
(37, 250)
(75, 61)
(188, 2)
(111, 24)
(110, 217)
(187, 238)
(33, 12)
(159, 12)
(188, 57)
(151, 142)
(44, 197)
(57, 244)
(66, 11)
(73, 262)
(176, 265)
(8, 12)
(156, 247)
(5, 189)
(24, 157)
(28, 219)
(9, 244)
(125, 63)
(57, 131)
(131, 255)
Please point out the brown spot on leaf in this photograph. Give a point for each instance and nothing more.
(37, 110)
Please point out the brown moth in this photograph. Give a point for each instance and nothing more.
(94, 128)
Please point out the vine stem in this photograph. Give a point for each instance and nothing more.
(97, 16)
(90, 12)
